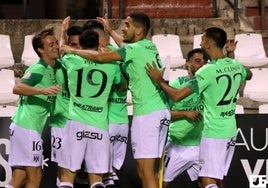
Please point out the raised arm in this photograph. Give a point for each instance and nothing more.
(230, 48)
(117, 37)
(63, 33)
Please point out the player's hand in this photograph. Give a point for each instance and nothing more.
(66, 49)
(104, 48)
(153, 72)
(193, 115)
(105, 22)
(65, 24)
(230, 46)
(53, 90)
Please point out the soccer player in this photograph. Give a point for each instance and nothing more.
(117, 115)
(150, 110)
(37, 89)
(218, 83)
(59, 109)
(87, 130)
(184, 134)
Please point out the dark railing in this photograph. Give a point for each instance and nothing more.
(234, 6)
(121, 8)
(262, 4)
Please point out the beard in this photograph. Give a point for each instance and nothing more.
(128, 39)
(205, 55)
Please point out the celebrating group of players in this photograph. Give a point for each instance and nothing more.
(82, 83)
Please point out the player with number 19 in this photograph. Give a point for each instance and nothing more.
(150, 109)
(87, 130)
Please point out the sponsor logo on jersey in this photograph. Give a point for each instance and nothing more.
(228, 113)
(88, 107)
(27, 75)
(50, 98)
(117, 100)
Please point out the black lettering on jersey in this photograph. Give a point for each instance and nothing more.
(88, 107)
(117, 100)
(50, 98)
(65, 94)
(228, 113)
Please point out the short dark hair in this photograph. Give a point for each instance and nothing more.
(218, 35)
(92, 24)
(142, 19)
(192, 52)
(74, 30)
(95, 26)
(89, 39)
(37, 39)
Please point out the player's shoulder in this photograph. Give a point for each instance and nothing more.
(141, 43)
(39, 66)
(70, 56)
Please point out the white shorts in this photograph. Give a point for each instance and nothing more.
(26, 147)
(216, 156)
(57, 140)
(148, 134)
(180, 158)
(85, 143)
(118, 144)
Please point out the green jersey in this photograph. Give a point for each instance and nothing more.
(90, 85)
(33, 110)
(59, 109)
(185, 131)
(147, 97)
(218, 82)
(117, 101)
(117, 105)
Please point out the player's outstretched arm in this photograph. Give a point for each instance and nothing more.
(174, 93)
(23, 89)
(189, 114)
(92, 55)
